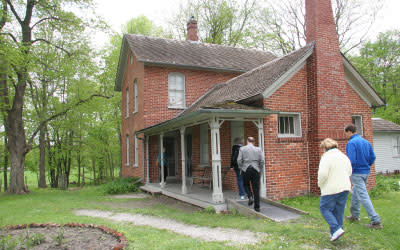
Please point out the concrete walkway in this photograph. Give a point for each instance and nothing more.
(233, 236)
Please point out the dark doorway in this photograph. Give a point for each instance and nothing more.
(169, 144)
(189, 155)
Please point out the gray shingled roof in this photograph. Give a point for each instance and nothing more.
(195, 54)
(382, 125)
(249, 84)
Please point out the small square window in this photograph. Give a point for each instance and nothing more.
(396, 146)
(357, 121)
(289, 125)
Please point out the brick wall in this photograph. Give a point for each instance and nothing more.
(287, 158)
(156, 95)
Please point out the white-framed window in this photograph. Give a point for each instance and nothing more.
(176, 90)
(135, 87)
(357, 121)
(204, 144)
(289, 125)
(127, 150)
(136, 162)
(127, 102)
(396, 146)
(237, 131)
(130, 58)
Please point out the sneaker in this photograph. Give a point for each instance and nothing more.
(351, 218)
(375, 225)
(242, 197)
(251, 201)
(257, 209)
(336, 235)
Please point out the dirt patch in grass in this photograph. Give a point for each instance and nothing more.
(153, 202)
(54, 237)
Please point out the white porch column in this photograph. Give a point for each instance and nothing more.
(217, 195)
(263, 186)
(162, 184)
(183, 156)
(147, 161)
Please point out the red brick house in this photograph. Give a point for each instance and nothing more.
(195, 98)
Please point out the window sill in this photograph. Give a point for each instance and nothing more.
(126, 164)
(172, 107)
(135, 165)
(126, 117)
(203, 165)
(290, 139)
(133, 113)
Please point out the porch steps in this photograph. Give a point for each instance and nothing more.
(268, 209)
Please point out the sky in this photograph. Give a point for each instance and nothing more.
(117, 12)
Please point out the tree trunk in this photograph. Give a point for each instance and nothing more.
(16, 139)
(94, 170)
(78, 159)
(42, 149)
(5, 167)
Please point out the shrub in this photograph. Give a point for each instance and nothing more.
(385, 184)
(122, 185)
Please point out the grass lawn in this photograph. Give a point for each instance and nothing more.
(309, 232)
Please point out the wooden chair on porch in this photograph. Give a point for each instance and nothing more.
(206, 177)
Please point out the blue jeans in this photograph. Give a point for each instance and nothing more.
(332, 209)
(240, 182)
(360, 196)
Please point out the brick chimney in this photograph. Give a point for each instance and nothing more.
(329, 111)
(192, 30)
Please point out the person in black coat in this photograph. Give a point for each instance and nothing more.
(234, 165)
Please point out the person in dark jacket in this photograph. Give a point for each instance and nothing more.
(361, 156)
(235, 153)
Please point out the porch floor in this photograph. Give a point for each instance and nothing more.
(201, 196)
(198, 195)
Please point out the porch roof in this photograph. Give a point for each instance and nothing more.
(203, 115)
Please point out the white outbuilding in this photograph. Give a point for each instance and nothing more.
(386, 136)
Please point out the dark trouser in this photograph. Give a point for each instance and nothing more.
(165, 173)
(253, 176)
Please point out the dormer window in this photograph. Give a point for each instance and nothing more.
(176, 90)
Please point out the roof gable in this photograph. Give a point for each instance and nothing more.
(360, 85)
(255, 82)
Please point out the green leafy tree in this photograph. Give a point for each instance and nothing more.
(21, 35)
(379, 63)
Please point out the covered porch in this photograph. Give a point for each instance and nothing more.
(183, 185)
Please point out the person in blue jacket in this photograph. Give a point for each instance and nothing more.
(361, 156)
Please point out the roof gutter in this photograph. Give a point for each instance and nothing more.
(206, 112)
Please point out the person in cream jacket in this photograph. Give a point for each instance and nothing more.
(334, 181)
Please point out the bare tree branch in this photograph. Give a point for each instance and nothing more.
(14, 11)
(48, 42)
(45, 19)
(11, 35)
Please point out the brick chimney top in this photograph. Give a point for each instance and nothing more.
(192, 30)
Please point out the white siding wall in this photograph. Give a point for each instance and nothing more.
(383, 147)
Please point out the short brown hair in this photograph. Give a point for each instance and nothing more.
(328, 143)
(351, 127)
